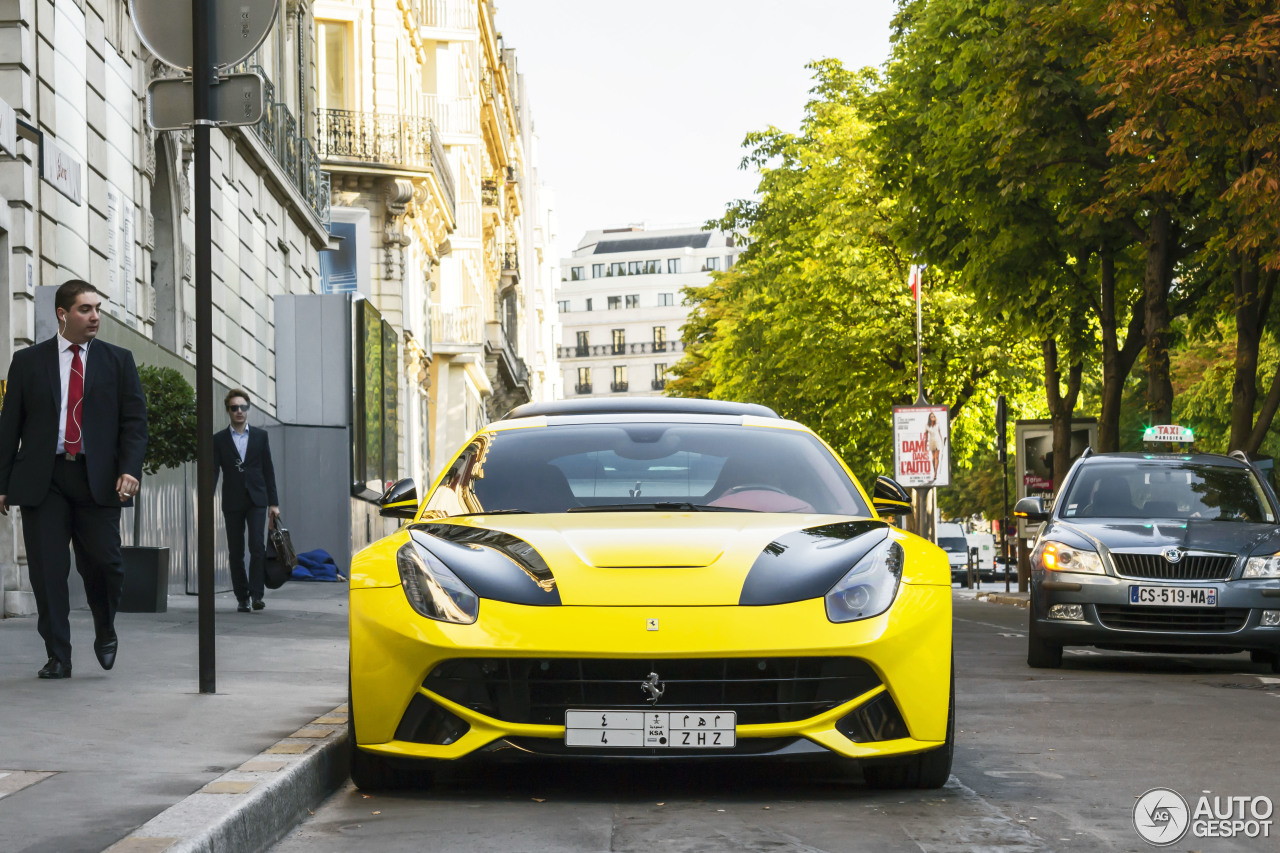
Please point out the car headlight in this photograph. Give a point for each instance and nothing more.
(1058, 557)
(1262, 567)
(869, 587)
(432, 588)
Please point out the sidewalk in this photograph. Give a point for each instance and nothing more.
(993, 592)
(104, 752)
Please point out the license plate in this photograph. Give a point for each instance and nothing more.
(651, 729)
(1174, 596)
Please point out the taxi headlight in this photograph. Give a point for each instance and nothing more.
(432, 588)
(869, 587)
(1262, 567)
(1059, 557)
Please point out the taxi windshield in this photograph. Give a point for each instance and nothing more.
(1163, 490)
(605, 467)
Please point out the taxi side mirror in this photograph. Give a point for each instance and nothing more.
(1031, 509)
(399, 501)
(889, 498)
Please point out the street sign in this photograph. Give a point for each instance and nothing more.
(60, 169)
(1002, 429)
(235, 100)
(164, 26)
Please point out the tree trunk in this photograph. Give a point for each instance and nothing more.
(1155, 285)
(1253, 291)
(1061, 407)
(1117, 359)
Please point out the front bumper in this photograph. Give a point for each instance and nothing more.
(393, 650)
(1111, 621)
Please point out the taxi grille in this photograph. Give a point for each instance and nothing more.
(760, 690)
(1197, 620)
(1192, 567)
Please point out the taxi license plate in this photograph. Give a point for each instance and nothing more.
(651, 729)
(1174, 596)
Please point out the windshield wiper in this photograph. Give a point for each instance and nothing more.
(657, 506)
(492, 512)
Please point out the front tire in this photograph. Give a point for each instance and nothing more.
(927, 770)
(1265, 657)
(1041, 653)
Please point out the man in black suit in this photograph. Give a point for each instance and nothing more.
(73, 434)
(242, 456)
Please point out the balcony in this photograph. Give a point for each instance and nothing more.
(645, 348)
(448, 14)
(397, 141)
(452, 114)
(280, 134)
(460, 327)
(619, 386)
(658, 384)
(489, 192)
(582, 388)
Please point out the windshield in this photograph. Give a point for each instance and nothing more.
(956, 544)
(1164, 490)
(646, 466)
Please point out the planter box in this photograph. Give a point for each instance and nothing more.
(146, 580)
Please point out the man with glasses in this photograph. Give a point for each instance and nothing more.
(242, 457)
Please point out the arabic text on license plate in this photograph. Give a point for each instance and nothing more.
(1174, 596)
(651, 729)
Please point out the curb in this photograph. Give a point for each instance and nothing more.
(255, 805)
(1004, 598)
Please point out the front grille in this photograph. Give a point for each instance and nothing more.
(1192, 567)
(760, 690)
(1206, 620)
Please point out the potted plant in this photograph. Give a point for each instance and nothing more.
(171, 441)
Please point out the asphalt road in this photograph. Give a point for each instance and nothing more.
(1046, 760)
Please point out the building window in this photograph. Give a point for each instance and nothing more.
(563, 305)
(619, 341)
(576, 274)
(728, 261)
(659, 338)
(615, 302)
(584, 381)
(666, 299)
(597, 270)
(711, 264)
(584, 345)
(588, 308)
(673, 265)
(619, 377)
(617, 269)
(334, 60)
(659, 377)
(653, 266)
(634, 268)
(633, 301)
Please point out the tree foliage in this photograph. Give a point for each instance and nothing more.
(171, 418)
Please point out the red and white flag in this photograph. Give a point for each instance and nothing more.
(913, 277)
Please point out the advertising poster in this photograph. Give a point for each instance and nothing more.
(1033, 458)
(921, 446)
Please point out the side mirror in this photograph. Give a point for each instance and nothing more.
(888, 498)
(1031, 509)
(399, 501)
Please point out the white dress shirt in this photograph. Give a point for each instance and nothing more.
(64, 375)
(240, 440)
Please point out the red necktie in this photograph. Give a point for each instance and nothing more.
(75, 402)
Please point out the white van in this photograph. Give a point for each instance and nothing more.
(952, 539)
(986, 545)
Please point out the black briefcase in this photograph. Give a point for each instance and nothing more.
(282, 560)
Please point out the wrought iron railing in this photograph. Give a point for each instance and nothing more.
(398, 140)
(658, 384)
(619, 386)
(452, 113)
(642, 348)
(283, 137)
(582, 388)
(489, 192)
(511, 260)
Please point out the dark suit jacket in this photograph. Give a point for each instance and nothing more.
(256, 484)
(115, 422)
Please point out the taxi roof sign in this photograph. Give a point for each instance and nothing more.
(1168, 433)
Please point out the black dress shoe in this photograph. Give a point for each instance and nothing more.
(55, 669)
(258, 604)
(242, 607)
(106, 651)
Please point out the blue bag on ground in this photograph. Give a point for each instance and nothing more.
(317, 565)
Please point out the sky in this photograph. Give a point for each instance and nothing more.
(641, 108)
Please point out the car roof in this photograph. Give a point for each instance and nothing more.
(1202, 458)
(639, 406)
